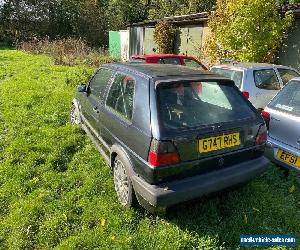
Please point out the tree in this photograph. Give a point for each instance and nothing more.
(162, 8)
(121, 13)
(245, 30)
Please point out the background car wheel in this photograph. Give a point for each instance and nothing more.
(74, 116)
(122, 183)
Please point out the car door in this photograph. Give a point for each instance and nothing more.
(267, 86)
(95, 97)
(285, 115)
(117, 113)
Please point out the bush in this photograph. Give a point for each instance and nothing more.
(164, 36)
(246, 31)
(67, 51)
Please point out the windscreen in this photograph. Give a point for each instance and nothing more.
(200, 103)
(136, 60)
(288, 99)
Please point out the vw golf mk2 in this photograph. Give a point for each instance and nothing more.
(170, 133)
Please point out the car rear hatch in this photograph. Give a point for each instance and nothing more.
(284, 115)
(210, 125)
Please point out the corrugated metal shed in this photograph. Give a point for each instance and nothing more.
(289, 53)
(188, 40)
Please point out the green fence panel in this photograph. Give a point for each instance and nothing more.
(115, 44)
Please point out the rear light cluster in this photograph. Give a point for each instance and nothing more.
(246, 94)
(266, 116)
(262, 135)
(162, 153)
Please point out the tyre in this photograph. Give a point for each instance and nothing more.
(74, 115)
(122, 183)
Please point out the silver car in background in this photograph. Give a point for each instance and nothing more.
(282, 116)
(259, 82)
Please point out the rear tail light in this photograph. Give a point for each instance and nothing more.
(246, 94)
(266, 116)
(262, 135)
(162, 153)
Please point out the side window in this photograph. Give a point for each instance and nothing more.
(171, 60)
(121, 95)
(100, 81)
(266, 79)
(287, 74)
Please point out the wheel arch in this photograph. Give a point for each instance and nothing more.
(118, 150)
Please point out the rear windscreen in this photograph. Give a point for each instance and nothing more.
(288, 99)
(235, 75)
(200, 103)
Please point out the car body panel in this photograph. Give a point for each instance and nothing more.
(284, 132)
(155, 58)
(259, 97)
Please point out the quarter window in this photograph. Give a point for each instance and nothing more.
(266, 79)
(121, 94)
(100, 81)
(287, 74)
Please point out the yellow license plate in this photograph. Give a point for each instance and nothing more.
(220, 142)
(288, 158)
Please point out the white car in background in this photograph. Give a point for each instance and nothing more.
(259, 82)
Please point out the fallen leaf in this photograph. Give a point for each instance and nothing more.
(113, 237)
(245, 219)
(292, 189)
(103, 222)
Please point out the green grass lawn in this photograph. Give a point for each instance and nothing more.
(56, 190)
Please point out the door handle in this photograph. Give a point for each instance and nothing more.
(95, 108)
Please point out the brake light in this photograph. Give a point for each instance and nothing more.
(266, 116)
(246, 94)
(162, 153)
(262, 135)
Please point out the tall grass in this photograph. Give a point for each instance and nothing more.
(67, 51)
(57, 192)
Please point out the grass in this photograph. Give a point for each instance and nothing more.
(57, 192)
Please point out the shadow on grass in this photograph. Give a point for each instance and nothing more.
(3, 47)
(259, 207)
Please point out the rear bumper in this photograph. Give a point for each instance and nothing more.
(272, 148)
(171, 193)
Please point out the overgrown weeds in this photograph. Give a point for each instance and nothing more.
(67, 51)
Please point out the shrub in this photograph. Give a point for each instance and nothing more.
(246, 31)
(67, 51)
(164, 36)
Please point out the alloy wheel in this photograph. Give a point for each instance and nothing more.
(121, 182)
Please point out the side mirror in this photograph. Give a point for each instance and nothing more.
(82, 88)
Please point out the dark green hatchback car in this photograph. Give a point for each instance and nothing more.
(170, 133)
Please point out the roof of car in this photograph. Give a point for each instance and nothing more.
(249, 65)
(158, 70)
(160, 56)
